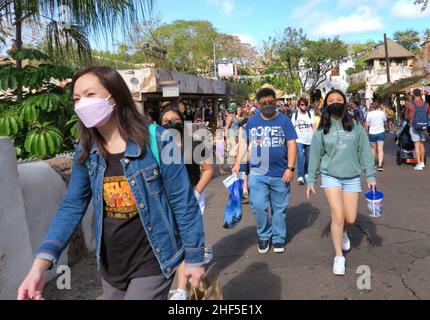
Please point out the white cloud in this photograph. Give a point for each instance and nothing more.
(227, 7)
(302, 12)
(361, 21)
(355, 3)
(406, 9)
(246, 38)
(308, 13)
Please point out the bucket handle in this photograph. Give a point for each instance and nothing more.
(374, 193)
(376, 190)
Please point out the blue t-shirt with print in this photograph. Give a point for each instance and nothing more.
(267, 140)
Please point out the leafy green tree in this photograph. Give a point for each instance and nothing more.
(303, 60)
(410, 39)
(319, 58)
(283, 56)
(189, 46)
(423, 3)
(359, 52)
(285, 53)
(35, 121)
(81, 19)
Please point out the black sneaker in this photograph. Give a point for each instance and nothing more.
(263, 246)
(380, 168)
(278, 248)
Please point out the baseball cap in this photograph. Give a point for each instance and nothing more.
(232, 107)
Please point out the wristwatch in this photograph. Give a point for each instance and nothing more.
(291, 169)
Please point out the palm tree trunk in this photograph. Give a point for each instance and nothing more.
(18, 41)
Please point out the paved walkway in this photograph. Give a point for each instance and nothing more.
(395, 246)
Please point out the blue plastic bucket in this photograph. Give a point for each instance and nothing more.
(375, 203)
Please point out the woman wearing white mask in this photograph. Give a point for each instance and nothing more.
(146, 217)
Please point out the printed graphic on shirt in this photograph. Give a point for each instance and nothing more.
(340, 138)
(269, 136)
(303, 125)
(119, 200)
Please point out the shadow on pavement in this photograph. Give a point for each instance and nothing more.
(300, 218)
(364, 229)
(237, 243)
(256, 282)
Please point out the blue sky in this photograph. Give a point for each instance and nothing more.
(256, 20)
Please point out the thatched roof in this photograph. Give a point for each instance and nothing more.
(395, 50)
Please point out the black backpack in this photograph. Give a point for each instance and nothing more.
(296, 115)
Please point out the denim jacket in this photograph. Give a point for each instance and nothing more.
(164, 197)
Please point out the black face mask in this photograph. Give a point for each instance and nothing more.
(336, 109)
(174, 125)
(268, 110)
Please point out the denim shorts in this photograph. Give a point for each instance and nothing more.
(418, 135)
(347, 185)
(374, 138)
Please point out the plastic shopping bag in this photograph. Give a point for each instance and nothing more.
(233, 209)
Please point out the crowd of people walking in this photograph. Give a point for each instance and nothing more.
(148, 212)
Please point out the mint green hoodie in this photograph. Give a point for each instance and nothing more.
(341, 154)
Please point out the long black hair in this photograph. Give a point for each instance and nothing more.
(131, 124)
(325, 123)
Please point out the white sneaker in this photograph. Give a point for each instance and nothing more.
(418, 167)
(306, 177)
(178, 294)
(423, 165)
(339, 266)
(301, 181)
(346, 244)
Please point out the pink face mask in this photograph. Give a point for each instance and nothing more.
(94, 112)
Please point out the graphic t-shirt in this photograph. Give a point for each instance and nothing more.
(376, 120)
(126, 252)
(303, 124)
(267, 141)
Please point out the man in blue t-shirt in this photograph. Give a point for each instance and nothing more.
(356, 108)
(270, 139)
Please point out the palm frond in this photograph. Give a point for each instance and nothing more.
(59, 41)
(101, 17)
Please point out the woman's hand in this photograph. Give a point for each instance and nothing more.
(32, 286)
(235, 169)
(372, 186)
(309, 191)
(194, 275)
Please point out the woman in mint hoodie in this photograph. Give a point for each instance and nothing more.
(340, 152)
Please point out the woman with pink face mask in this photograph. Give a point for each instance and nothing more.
(146, 217)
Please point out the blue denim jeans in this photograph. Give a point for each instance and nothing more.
(303, 152)
(267, 192)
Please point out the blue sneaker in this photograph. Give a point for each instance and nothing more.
(263, 246)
